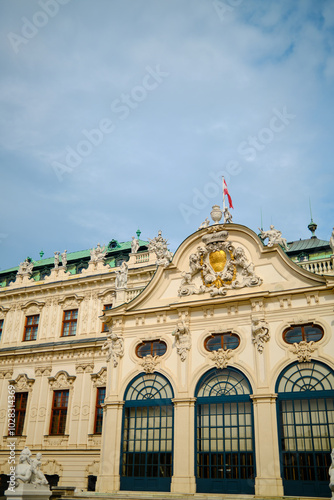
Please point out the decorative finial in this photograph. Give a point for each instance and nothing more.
(138, 233)
(312, 225)
(41, 253)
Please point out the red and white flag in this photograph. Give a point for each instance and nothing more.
(225, 192)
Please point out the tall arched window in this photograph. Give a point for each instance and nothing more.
(225, 460)
(305, 407)
(147, 444)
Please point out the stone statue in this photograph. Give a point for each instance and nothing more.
(64, 259)
(260, 333)
(57, 259)
(159, 246)
(274, 237)
(25, 268)
(204, 224)
(331, 474)
(331, 241)
(227, 216)
(98, 254)
(37, 477)
(122, 275)
(134, 245)
(23, 470)
(114, 345)
(182, 339)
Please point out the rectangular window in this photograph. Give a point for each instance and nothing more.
(106, 307)
(1, 327)
(31, 327)
(21, 399)
(59, 412)
(70, 323)
(101, 394)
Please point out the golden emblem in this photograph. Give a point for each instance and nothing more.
(217, 260)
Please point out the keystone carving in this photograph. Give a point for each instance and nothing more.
(303, 350)
(221, 357)
(149, 363)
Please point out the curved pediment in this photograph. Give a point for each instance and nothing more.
(223, 262)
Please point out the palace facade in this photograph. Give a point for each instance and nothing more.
(210, 370)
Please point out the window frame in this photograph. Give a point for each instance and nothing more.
(20, 412)
(106, 307)
(222, 334)
(145, 342)
(70, 322)
(99, 410)
(30, 327)
(302, 326)
(62, 412)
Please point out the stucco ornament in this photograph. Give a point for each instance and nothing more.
(303, 350)
(217, 267)
(221, 357)
(331, 474)
(182, 339)
(274, 237)
(25, 268)
(159, 246)
(122, 275)
(98, 254)
(149, 363)
(260, 333)
(114, 345)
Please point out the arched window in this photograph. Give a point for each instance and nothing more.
(147, 444)
(151, 347)
(305, 409)
(225, 460)
(224, 341)
(299, 333)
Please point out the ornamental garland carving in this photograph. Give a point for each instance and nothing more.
(217, 267)
(114, 345)
(260, 333)
(221, 357)
(61, 381)
(182, 339)
(303, 350)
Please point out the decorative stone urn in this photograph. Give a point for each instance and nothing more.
(216, 214)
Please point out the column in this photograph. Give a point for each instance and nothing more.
(183, 480)
(109, 477)
(268, 480)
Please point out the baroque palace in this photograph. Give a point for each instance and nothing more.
(209, 371)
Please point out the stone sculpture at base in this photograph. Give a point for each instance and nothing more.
(28, 482)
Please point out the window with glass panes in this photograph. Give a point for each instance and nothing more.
(299, 333)
(101, 394)
(305, 409)
(70, 323)
(31, 327)
(59, 412)
(147, 445)
(21, 399)
(152, 347)
(106, 307)
(225, 457)
(221, 341)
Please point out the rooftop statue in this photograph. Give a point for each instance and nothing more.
(227, 216)
(98, 254)
(159, 246)
(122, 275)
(25, 268)
(274, 237)
(64, 259)
(204, 224)
(134, 245)
(56, 261)
(331, 241)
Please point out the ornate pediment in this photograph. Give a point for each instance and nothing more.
(70, 301)
(218, 266)
(61, 381)
(32, 307)
(100, 379)
(22, 383)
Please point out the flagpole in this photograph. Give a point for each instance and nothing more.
(223, 195)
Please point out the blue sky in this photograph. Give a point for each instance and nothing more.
(120, 114)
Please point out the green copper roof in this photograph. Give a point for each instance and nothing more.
(311, 244)
(81, 254)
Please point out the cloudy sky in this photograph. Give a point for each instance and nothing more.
(122, 114)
